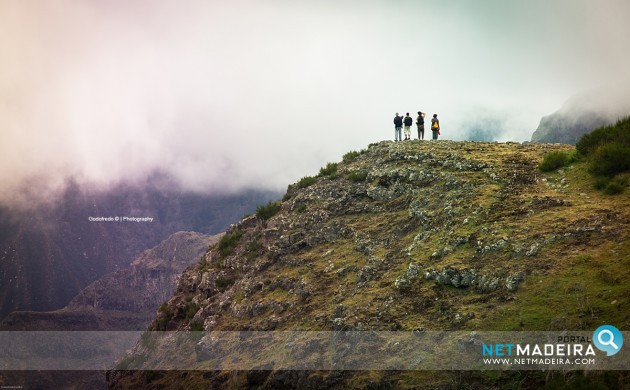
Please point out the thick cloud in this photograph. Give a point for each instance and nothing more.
(229, 95)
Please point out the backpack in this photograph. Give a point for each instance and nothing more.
(435, 125)
(408, 121)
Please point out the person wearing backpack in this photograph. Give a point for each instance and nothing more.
(420, 123)
(398, 123)
(408, 123)
(435, 126)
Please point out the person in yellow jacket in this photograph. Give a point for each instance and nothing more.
(435, 126)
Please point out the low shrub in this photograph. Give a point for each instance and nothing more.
(224, 282)
(607, 151)
(351, 156)
(601, 182)
(267, 211)
(165, 316)
(616, 186)
(610, 159)
(619, 133)
(252, 249)
(329, 170)
(306, 181)
(190, 310)
(228, 242)
(357, 176)
(554, 160)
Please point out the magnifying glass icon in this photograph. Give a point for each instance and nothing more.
(611, 338)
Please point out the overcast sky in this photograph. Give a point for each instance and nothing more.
(232, 94)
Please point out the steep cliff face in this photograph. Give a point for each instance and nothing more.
(410, 235)
(126, 299)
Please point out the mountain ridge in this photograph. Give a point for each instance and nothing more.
(410, 235)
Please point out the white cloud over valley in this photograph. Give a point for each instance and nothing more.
(230, 95)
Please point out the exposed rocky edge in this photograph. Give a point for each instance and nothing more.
(404, 236)
(472, 278)
(125, 299)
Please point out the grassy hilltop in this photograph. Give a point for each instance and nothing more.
(435, 235)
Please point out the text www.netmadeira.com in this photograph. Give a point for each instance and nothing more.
(538, 361)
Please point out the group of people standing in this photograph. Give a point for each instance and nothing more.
(407, 121)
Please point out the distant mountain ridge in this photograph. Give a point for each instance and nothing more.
(581, 115)
(51, 251)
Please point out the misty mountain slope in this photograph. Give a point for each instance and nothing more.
(126, 299)
(582, 114)
(409, 235)
(50, 251)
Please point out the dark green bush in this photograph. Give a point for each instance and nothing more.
(286, 197)
(329, 170)
(619, 133)
(166, 314)
(607, 151)
(351, 156)
(610, 159)
(301, 208)
(252, 249)
(224, 282)
(190, 310)
(306, 181)
(228, 242)
(554, 160)
(601, 182)
(196, 327)
(616, 186)
(267, 211)
(357, 176)
(253, 246)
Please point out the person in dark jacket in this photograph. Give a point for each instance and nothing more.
(435, 126)
(398, 123)
(408, 122)
(420, 123)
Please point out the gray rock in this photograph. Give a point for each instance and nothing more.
(405, 281)
(512, 281)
